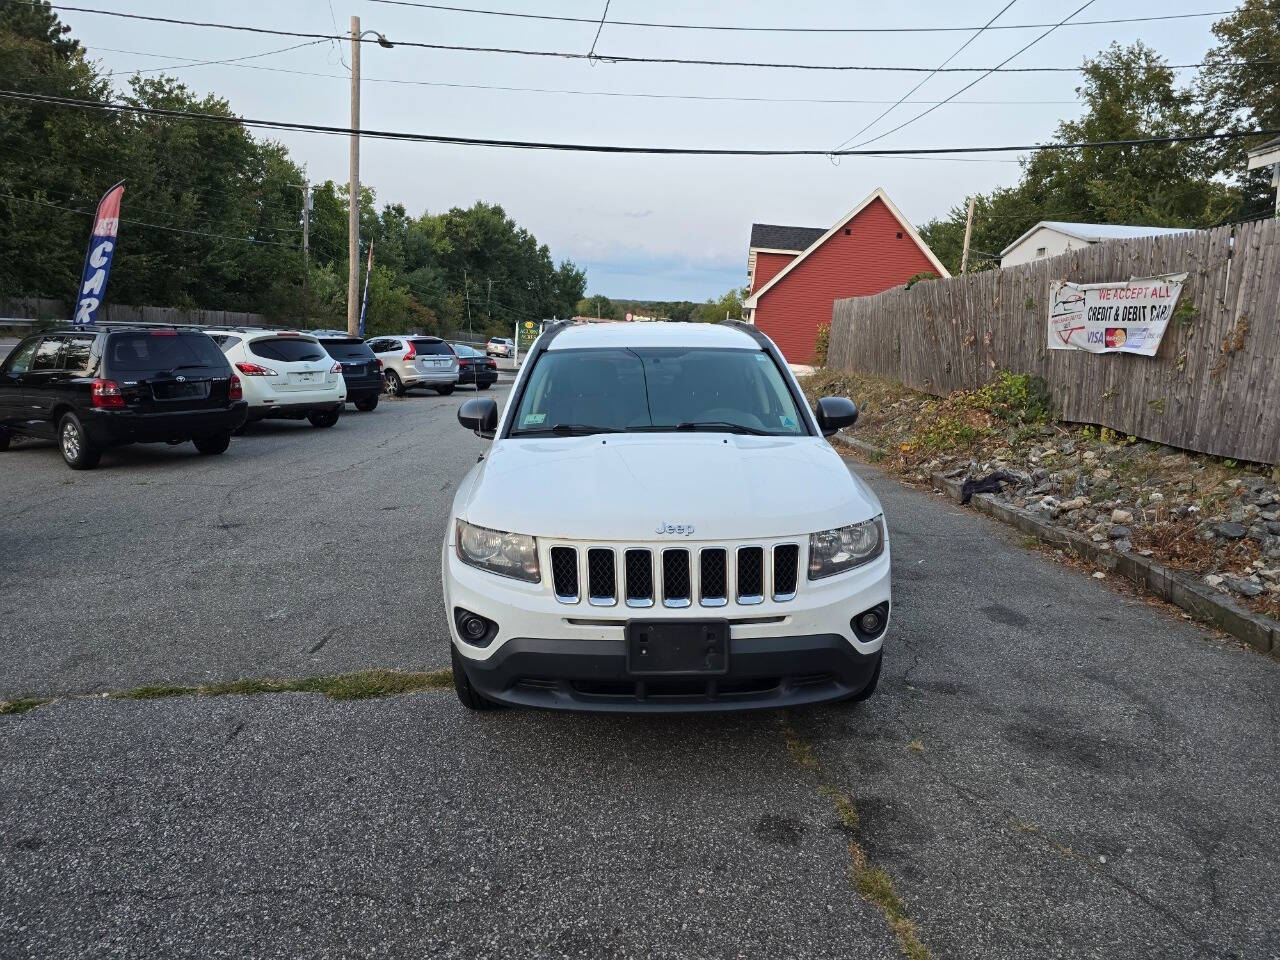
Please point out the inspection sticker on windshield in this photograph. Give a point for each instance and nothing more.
(787, 421)
(534, 418)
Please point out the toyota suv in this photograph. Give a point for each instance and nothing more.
(94, 388)
(692, 542)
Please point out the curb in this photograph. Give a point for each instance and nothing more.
(1181, 589)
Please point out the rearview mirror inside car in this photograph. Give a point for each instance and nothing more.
(834, 413)
(480, 415)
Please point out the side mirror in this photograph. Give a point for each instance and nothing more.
(833, 414)
(480, 415)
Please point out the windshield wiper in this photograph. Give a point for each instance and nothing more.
(722, 426)
(568, 430)
(181, 366)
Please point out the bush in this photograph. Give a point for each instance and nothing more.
(822, 346)
(1016, 396)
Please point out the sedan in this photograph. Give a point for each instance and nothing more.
(475, 368)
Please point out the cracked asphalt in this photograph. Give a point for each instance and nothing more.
(1051, 768)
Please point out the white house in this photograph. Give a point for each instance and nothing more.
(1048, 238)
(1268, 155)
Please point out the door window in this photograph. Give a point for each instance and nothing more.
(19, 361)
(48, 354)
(78, 353)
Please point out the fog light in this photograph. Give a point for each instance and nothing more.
(473, 628)
(869, 624)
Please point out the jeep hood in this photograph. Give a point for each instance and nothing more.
(619, 487)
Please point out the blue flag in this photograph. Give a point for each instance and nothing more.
(97, 260)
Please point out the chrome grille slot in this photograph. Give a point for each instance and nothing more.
(786, 559)
(602, 589)
(676, 590)
(638, 565)
(713, 580)
(750, 575)
(564, 574)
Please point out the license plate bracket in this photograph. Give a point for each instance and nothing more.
(658, 648)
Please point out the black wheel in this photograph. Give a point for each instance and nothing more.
(217, 443)
(445, 391)
(76, 448)
(391, 384)
(462, 686)
(367, 404)
(866, 692)
(324, 418)
(4, 439)
(483, 386)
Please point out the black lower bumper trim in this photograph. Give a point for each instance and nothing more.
(765, 673)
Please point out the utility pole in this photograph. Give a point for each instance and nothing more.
(466, 295)
(488, 307)
(968, 231)
(306, 252)
(353, 200)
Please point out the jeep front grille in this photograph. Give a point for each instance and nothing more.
(564, 574)
(680, 575)
(601, 577)
(676, 587)
(750, 575)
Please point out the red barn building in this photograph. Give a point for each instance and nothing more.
(797, 272)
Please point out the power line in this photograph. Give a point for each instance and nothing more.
(959, 50)
(211, 63)
(603, 17)
(619, 148)
(595, 57)
(742, 29)
(141, 223)
(1021, 50)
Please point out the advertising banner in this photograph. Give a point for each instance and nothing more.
(97, 260)
(1125, 317)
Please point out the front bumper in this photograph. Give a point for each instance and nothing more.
(765, 673)
(110, 427)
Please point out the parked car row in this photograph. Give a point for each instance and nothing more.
(90, 389)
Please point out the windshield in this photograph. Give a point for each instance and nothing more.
(161, 350)
(353, 350)
(575, 392)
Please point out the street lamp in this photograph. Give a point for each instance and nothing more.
(353, 201)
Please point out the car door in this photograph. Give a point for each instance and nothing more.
(13, 374)
(40, 386)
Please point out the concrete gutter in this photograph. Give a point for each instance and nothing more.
(1174, 586)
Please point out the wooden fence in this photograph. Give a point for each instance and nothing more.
(39, 308)
(1213, 387)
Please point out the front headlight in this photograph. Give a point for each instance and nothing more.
(834, 551)
(508, 554)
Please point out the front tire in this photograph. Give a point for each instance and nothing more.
(76, 448)
(467, 695)
(445, 391)
(324, 418)
(367, 404)
(391, 384)
(4, 440)
(211, 446)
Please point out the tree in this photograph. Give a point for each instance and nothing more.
(1127, 93)
(1239, 87)
(728, 307)
(597, 306)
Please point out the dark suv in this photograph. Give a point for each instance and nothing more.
(90, 389)
(361, 370)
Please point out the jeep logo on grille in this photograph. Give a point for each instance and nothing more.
(679, 529)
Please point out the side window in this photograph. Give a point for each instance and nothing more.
(78, 353)
(48, 354)
(376, 345)
(19, 361)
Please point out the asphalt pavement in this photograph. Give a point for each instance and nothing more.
(1051, 768)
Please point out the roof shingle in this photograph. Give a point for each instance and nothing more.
(771, 236)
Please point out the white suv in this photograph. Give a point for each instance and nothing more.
(695, 544)
(409, 362)
(285, 375)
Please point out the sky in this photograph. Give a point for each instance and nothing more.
(646, 227)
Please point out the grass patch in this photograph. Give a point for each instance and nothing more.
(843, 804)
(20, 705)
(361, 685)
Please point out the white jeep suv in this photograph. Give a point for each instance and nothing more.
(660, 525)
(285, 375)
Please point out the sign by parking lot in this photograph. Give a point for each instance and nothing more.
(527, 331)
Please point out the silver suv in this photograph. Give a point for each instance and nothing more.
(409, 362)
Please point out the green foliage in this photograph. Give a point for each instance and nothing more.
(948, 433)
(599, 306)
(1019, 397)
(822, 345)
(728, 307)
(925, 275)
(237, 203)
